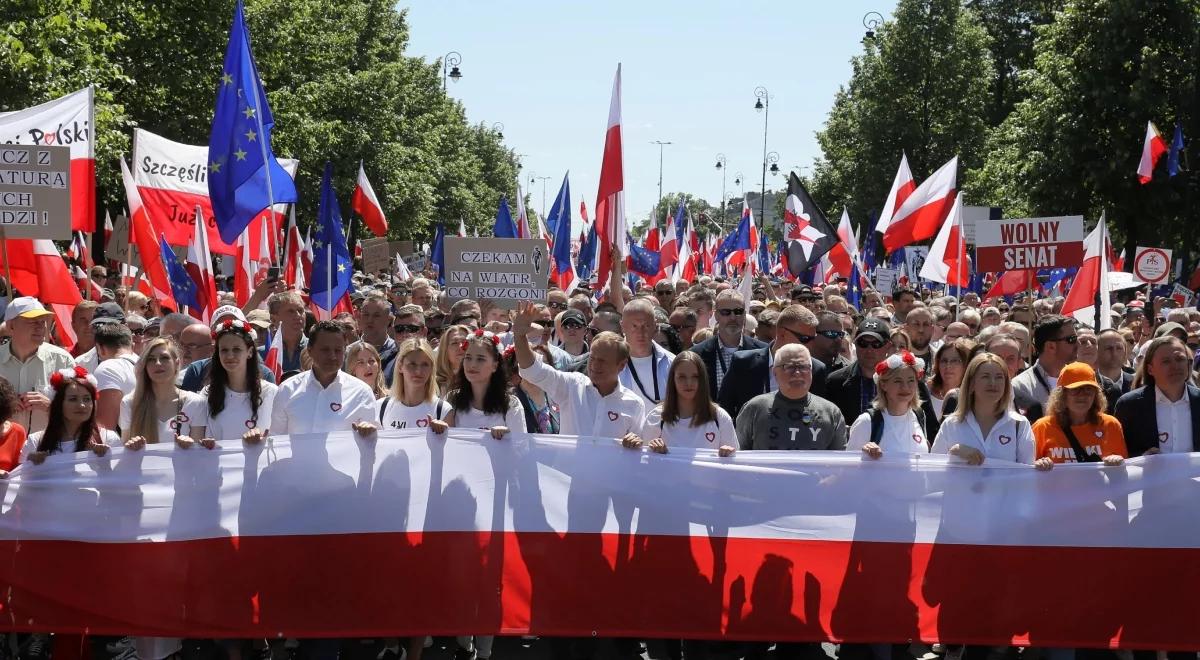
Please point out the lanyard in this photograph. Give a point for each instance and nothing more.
(1037, 373)
(721, 357)
(653, 373)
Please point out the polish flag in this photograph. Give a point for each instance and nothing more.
(919, 217)
(947, 259)
(844, 255)
(246, 269)
(199, 267)
(366, 204)
(687, 258)
(38, 270)
(402, 270)
(1091, 279)
(108, 228)
(1152, 150)
(902, 186)
(293, 272)
(669, 252)
(304, 274)
(610, 195)
(155, 284)
(78, 251)
(1013, 282)
(462, 228)
(273, 357)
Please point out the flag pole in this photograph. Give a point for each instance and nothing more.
(262, 143)
(7, 266)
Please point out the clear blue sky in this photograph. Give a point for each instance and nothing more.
(544, 69)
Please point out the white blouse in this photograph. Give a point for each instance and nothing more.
(710, 435)
(237, 417)
(167, 428)
(1010, 439)
(902, 434)
(513, 418)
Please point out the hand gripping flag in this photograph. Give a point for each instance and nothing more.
(560, 218)
(366, 204)
(182, 286)
(331, 258)
(504, 227)
(243, 175)
(806, 229)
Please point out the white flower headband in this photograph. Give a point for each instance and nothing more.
(60, 378)
(898, 360)
(234, 325)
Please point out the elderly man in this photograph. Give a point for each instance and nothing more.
(195, 343)
(173, 324)
(684, 321)
(27, 361)
(375, 325)
(751, 373)
(287, 314)
(81, 323)
(1114, 355)
(792, 417)
(649, 363)
(717, 351)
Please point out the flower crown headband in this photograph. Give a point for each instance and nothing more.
(234, 325)
(484, 334)
(60, 378)
(898, 360)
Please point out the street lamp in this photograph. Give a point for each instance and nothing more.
(450, 67)
(773, 159)
(871, 21)
(660, 144)
(763, 105)
(499, 128)
(738, 180)
(543, 179)
(721, 166)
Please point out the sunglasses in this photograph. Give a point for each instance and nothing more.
(571, 325)
(737, 311)
(1072, 339)
(868, 343)
(794, 368)
(138, 332)
(803, 339)
(406, 329)
(463, 320)
(561, 306)
(832, 334)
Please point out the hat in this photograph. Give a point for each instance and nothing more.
(875, 328)
(1167, 328)
(1135, 305)
(109, 312)
(25, 307)
(1077, 374)
(259, 318)
(573, 314)
(800, 290)
(227, 311)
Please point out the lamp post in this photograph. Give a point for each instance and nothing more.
(660, 144)
(740, 181)
(721, 166)
(763, 105)
(499, 128)
(450, 67)
(871, 21)
(543, 179)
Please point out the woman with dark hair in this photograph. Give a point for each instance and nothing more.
(541, 414)
(687, 417)
(12, 434)
(236, 404)
(480, 397)
(72, 423)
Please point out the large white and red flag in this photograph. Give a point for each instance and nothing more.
(143, 235)
(947, 259)
(1092, 279)
(922, 212)
(522, 537)
(172, 179)
(68, 121)
(523, 230)
(610, 195)
(1152, 150)
(293, 271)
(199, 268)
(902, 186)
(39, 270)
(367, 206)
(844, 255)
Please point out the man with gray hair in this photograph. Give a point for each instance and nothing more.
(792, 417)
(717, 351)
(646, 371)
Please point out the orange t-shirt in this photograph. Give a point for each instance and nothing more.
(1103, 439)
(12, 440)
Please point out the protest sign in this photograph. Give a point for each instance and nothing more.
(402, 248)
(503, 272)
(885, 280)
(1182, 295)
(1029, 243)
(1152, 265)
(35, 191)
(976, 215)
(375, 255)
(914, 260)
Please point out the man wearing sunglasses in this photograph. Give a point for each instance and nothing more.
(1057, 344)
(664, 293)
(752, 372)
(717, 351)
(826, 345)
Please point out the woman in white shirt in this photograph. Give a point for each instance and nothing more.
(154, 411)
(236, 404)
(984, 426)
(480, 398)
(72, 425)
(894, 416)
(413, 401)
(687, 417)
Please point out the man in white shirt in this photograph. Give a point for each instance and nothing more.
(325, 398)
(27, 361)
(596, 404)
(117, 374)
(646, 372)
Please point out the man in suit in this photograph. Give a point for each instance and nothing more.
(1056, 343)
(717, 351)
(751, 373)
(1162, 416)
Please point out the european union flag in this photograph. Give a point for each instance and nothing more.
(438, 253)
(1174, 151)
(642, 261)
(331, 268)
(585, 261)
(559, 220)
(738, 239)
(182, 285)
(243, 176)
(504, 226)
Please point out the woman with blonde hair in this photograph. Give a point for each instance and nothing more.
(413, 401)
(362, 362)
(137, 302)
(984, 425)
(1076, 428)
(154, 412)
(895, 423)
(901, 340)
(450, 354)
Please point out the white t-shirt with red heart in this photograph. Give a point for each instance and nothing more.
(710, 435)
(394, 415)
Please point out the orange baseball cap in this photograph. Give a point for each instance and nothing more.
(1077, 374)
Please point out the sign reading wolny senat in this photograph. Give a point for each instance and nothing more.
(35, 191)
(503, 271)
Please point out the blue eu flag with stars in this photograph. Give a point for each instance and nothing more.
(239, 147)
(331, 269)
(183, 287)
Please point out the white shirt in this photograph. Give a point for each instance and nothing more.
(302, 405)
(710, 435)
(66, 446)
(237, 417)
(1174, 423)
(88, 360)
(399, 416)
(119, 373)
(167, 428)
(1010, 439)
(583, 411)
(32, 375)
(649, 385)
(513, 419)
(902, 434)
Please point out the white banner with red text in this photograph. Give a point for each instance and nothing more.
(412, 533)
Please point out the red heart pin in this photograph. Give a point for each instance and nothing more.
(1005, 439)
(250, 424)
(613, 416)
(335, 406)
(710, 436)
(1163, 437)
(918, 439)
(423, 422)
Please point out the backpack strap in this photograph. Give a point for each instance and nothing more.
(1081, 455)
(438, 410)
(876, 425)
(383, 408)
